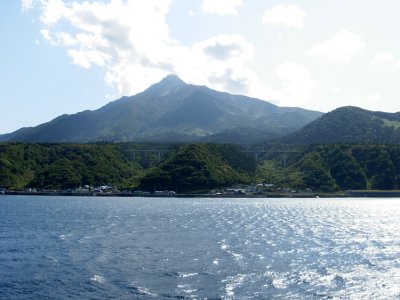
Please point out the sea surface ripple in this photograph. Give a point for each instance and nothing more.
(166, 248)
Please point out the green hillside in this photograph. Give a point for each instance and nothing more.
(329, 168)
(349, 125)
(65, 166)
(200, 167)
(68, 166)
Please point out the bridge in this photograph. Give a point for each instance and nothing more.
(157, 153)
(257, 153)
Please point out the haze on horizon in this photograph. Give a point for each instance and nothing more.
(61, 56)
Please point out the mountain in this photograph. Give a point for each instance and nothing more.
(349, 125)
(169, 111)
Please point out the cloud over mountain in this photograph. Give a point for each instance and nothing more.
(131, 41)
(244, 47)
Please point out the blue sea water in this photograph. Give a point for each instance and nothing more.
(166, 248)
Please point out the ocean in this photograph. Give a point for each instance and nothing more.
(169, 248)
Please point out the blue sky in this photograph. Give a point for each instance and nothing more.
(60, 56)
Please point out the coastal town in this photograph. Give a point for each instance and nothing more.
(259, 190)
(249, 191)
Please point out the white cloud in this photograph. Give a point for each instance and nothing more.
(227, 47)
(130, 40)
(220, 63)
(388, 59)
(396, 66)
(340, 47)
(87, 58)
(288, 15)
(382, 57)
(221, 7)
(26, 4)
(66, 39)
(53, 11)
(296, 83)
(46, 35)
(295, 87)
(123, 37)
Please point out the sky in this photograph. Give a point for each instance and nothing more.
(61, 57)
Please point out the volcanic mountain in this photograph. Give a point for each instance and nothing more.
(172, 111)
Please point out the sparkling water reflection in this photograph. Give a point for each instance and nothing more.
(144, 248)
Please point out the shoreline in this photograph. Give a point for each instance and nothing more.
(349, 194)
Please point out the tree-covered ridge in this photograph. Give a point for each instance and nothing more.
(65, 166)
(330, 168)
(349, 125)
(200, 167)
(68, 166)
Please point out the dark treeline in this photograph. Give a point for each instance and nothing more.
(197, 167)
(345, 167)
(65, 166)
(200, 167)
(349, 125)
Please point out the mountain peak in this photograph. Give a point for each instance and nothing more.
(172, 79)
(166, 85)
(170, 111)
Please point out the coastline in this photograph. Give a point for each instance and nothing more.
(348, 194)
